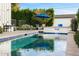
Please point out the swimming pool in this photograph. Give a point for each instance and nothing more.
(37, 45)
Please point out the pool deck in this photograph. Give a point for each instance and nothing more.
(5, 48)
(72, 48)
(15, 33)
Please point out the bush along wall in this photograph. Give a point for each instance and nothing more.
(25, 27)
(76, 37)
(1, 30)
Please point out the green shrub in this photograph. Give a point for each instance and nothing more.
(32, 28)
(76, 37)
(18, 28)
(25, 27)
(1, 30)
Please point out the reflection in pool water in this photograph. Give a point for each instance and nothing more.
(44, 47)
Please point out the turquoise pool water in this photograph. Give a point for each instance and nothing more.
(36, 45)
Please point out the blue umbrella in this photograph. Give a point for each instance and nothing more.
(42, 15)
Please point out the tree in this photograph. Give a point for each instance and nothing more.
(77, 16)
(36, 21)
(15, 7)
(15, 12)
(50, 22)
(50, 12)
(37, 11)
(27, 16)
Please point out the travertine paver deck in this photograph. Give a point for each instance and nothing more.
(72, 49)
(5, 48)
(9, 34)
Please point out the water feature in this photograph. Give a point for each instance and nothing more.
(45, 45)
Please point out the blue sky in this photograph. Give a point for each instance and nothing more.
(59, 8)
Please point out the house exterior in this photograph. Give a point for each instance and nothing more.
(5, 14)
(64, 19)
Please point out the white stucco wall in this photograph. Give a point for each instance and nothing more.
(65, 21)
(5, 14)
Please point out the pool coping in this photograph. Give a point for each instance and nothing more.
(14, 36)
(54, 33)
